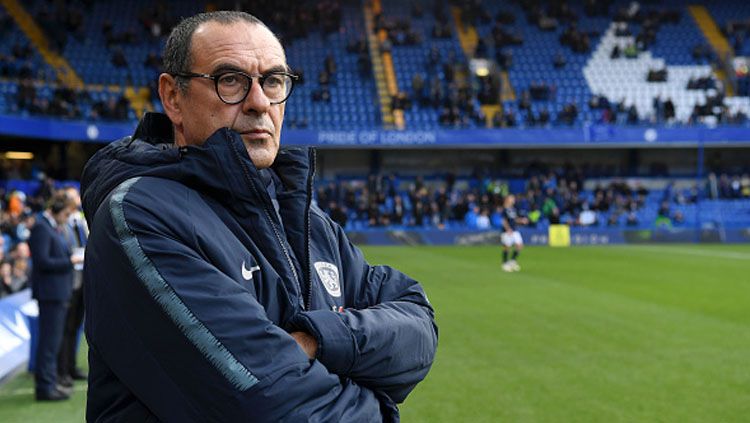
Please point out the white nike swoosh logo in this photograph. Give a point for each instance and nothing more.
(247, 274)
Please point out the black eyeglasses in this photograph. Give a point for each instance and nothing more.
(232, 86)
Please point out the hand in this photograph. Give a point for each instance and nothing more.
(307, 342)
(76, 259)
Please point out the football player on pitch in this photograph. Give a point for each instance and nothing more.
(511, 237)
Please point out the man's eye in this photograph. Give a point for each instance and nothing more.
(272, 81)
(229, 80)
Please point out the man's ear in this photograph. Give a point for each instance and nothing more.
(169, 93)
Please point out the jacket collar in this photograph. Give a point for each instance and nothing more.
(220, 167)
(155, 128)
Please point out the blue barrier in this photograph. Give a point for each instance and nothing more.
(578, 236)
(583, 136)
(18, 313)
(19, 332)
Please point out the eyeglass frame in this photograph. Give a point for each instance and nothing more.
(261, 78)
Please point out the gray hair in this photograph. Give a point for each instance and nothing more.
(177, 57)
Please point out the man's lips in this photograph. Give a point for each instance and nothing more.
(256, 134)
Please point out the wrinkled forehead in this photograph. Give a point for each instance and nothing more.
(249, 45)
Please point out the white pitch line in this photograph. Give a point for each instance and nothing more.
(731, 255)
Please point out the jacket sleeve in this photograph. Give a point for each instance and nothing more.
(40, 242)
(191, 343)
(386, 337)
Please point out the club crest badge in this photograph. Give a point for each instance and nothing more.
(329, 275)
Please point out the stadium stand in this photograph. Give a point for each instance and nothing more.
(426, 51)
(131, 36)
(443, 201)
(547, 197)
(337, 92)
(454, 65)
(17, 57)
(554, 64)
(732, 19)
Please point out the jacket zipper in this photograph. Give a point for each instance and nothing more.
(273, 225)
(308, 200)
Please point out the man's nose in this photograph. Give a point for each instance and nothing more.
(256, 99)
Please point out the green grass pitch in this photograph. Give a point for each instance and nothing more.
(584, 334)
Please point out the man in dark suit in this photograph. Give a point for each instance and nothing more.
(51, 284)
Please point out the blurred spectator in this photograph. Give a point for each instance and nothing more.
(559, 61)
(418, 88)
(568, 114)
(483, 220)
(615, 54)
(632, 118)
(21, 51)
(630, 51)
(663, 217)
(118, 58)
(587, 217)
(400, 101)
(153, 61)
(657, 75)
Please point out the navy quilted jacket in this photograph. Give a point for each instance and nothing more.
(195, 275)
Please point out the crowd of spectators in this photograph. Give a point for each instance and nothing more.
(17, 62)
(632, 20)
(37, 94)
(630, 51)
(445, 84)
(648, 20)
(548, 197)
(453, 95)
(18, 214)
(293, 20)
(578, 41)
(663, 111)
(714, 110)
(503, 35)
(18, 65)
(703, 83)
(729, 187)
(67, 103)
(60, 20)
